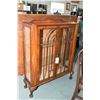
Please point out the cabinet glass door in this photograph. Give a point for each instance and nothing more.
(47, 49)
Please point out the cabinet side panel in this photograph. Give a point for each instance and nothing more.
(27, 52)
(72, 48)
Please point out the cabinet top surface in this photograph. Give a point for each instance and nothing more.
(45, 24)
(52, 21)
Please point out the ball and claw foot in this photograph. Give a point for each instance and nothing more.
(25, 86)
(31, 91)
(31, 95)
(70, 76)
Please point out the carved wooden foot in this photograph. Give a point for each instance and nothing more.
(25, 86)
(36, 88)
(70, 77)
(32, 89)
(31, 94)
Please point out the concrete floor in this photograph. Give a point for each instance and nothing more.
(59, 89)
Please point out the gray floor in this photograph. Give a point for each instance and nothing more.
(59, 89)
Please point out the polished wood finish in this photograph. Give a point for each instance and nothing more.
(72, 46)
(48, 44)
(27, 18)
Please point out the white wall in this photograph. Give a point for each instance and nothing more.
(48, 3)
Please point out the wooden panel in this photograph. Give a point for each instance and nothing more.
(27, 53)
(35, 54)
(72, 48)
(20, 53)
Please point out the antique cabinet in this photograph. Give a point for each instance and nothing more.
(49, 47)
(28, 18)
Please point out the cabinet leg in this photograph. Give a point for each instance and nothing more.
(70, 77)
(31, 94)
(36, 88)
(32, 89)
(25, 86)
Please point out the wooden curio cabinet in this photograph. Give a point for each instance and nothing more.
(49, 46)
